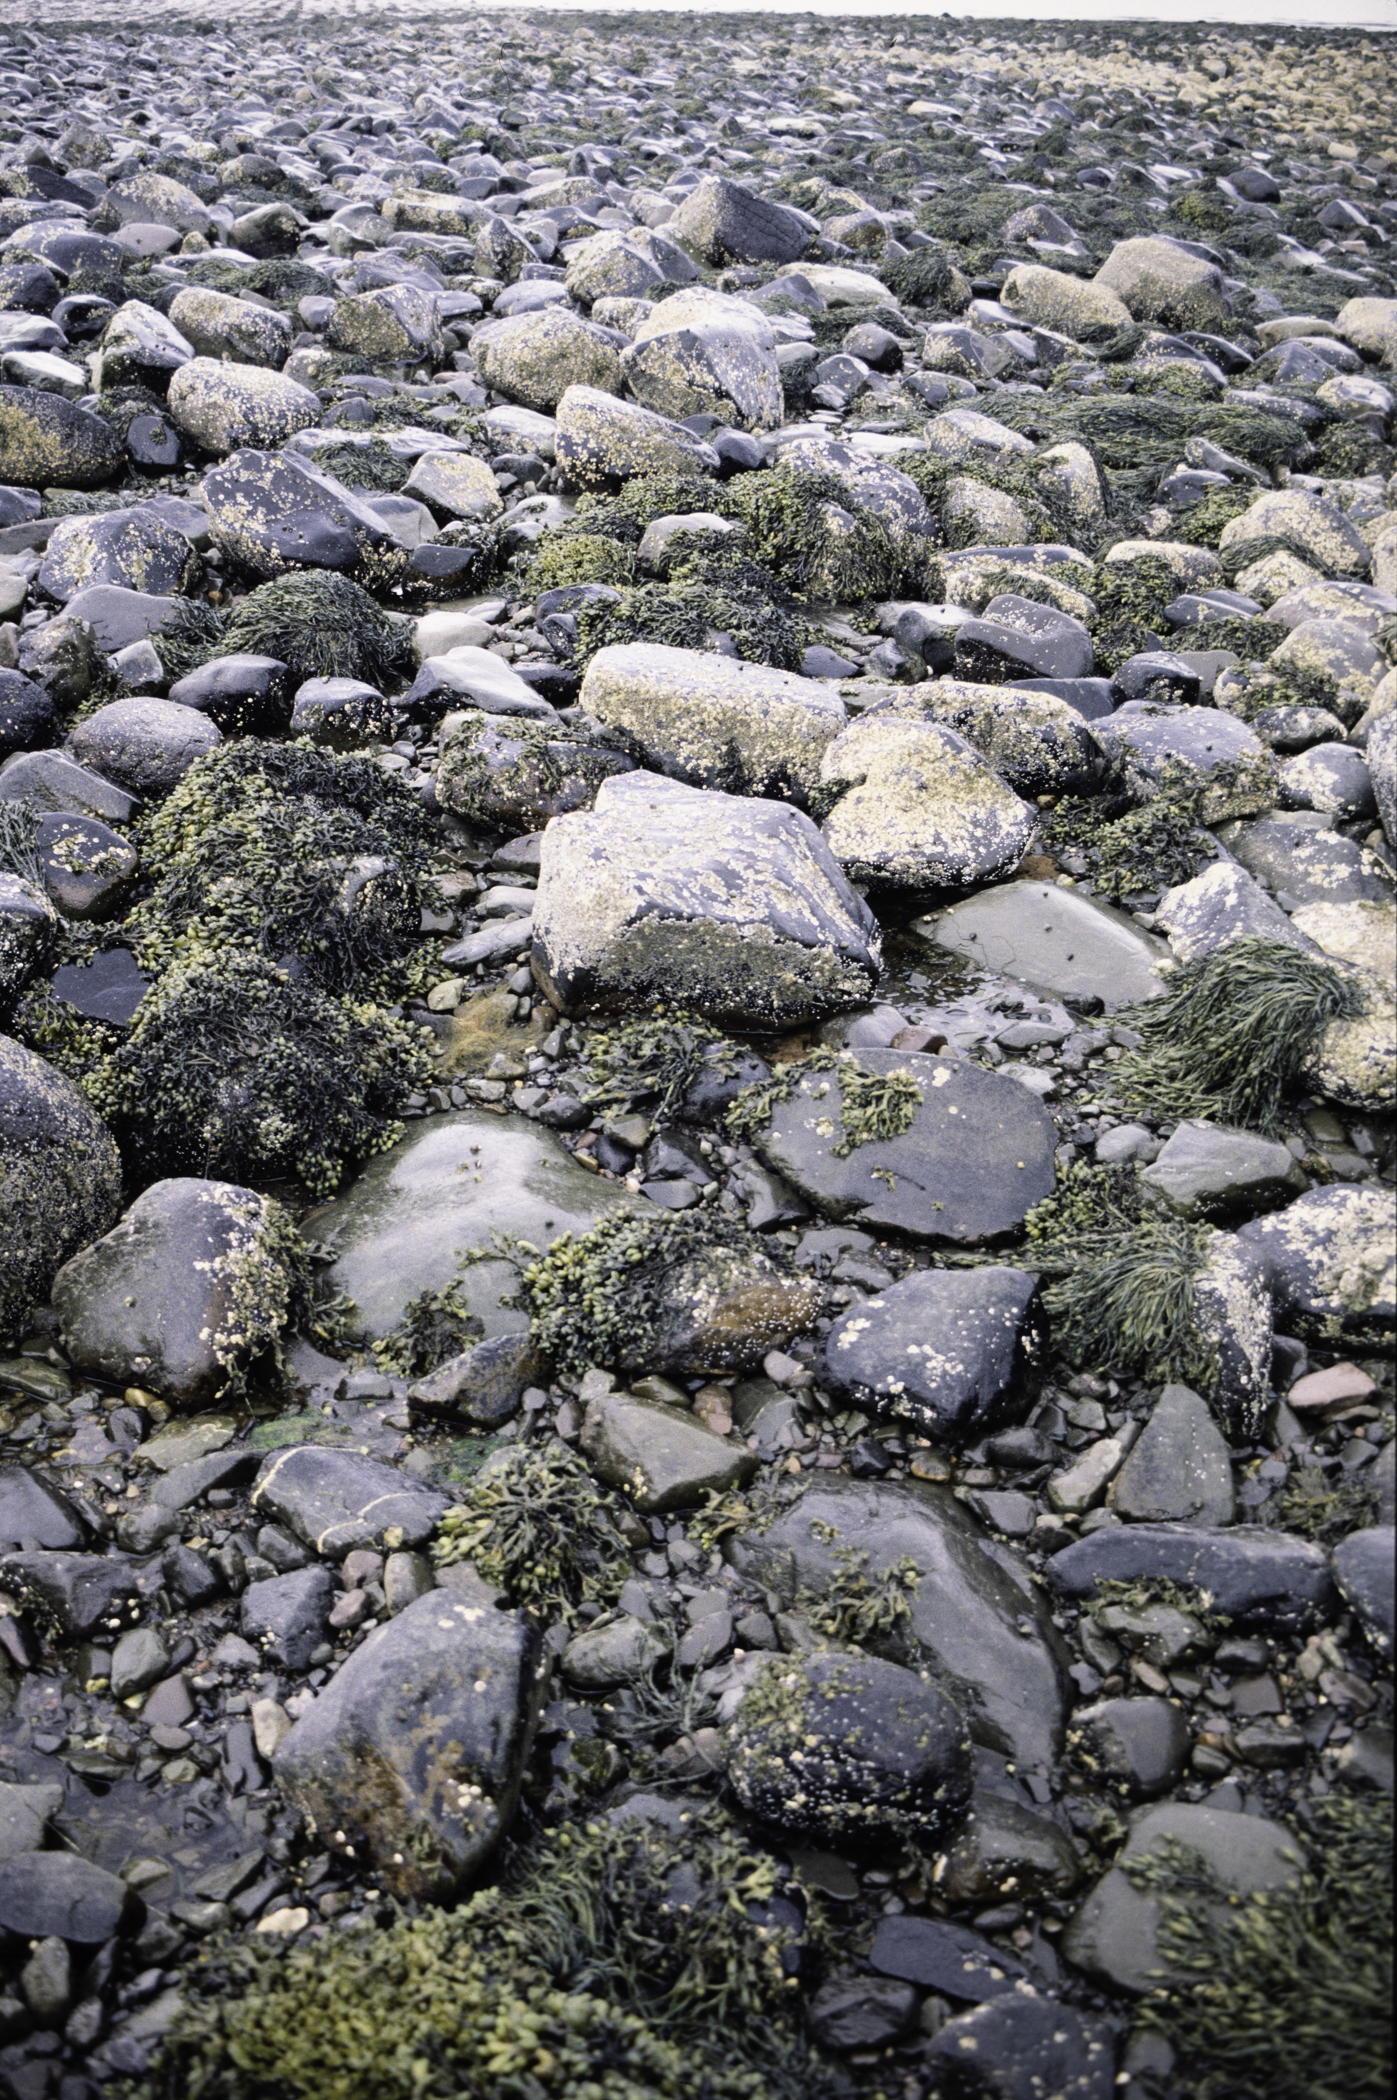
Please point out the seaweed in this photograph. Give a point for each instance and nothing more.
(19, 842)
(661, 1053)
(1233, 1032)
(192, 634)
(535, 1524)
(925, 277)
(873, 1105)
(434, 1326)
(864, 1608)
(320, 625)
(1316, 1507)
(1152, 847)
(566, 557)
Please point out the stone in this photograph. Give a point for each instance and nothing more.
(723, 222)
(59, 1895)
(1370, 326)
(1021, 2046)
(184, 1292)
(285, 1615)
(1141, 1744)
(919, 808)
(218, 326)
(25, 1814)
(619, 1652)
(26, 712)
(72, 1595)
(47, 442)
(1072, 306)
(975, 1155)
(484, 1384)
(340, 713)
(873, 483)
(969, 434)
(242, 694)
(1227, 759)
(1311, 526)
(945, 1349)
(1038, 743)
(1080, 1485)
(144, 745)
(663, 1457)
(1018, 635)
(225, 406)
(841, 1747)
(28, 932)
(939, 1956)
(273, 511)
(700, 352)
(1179, 1470)
(454, 485)
(1359, 932)
(1332, 777)
(1257, 1577)
(108, 988)
(1207, 1171)
(714, 722)
(336, 1500)
(32, 1512)
(391, 324)
(691, 881)
(600, 439)
(417, 1747)
(1329, 1260)
(60, 1179)
(976, 1621)
(86, 866)
(1002, 1841)
(1363, 1571)
(401, 1226)
(1222, 905)
(1300, 853)
(1053, 941)
(479, 679)
(52, 780)
(861, 2012)
(1113, 1933)
(1158, 279)
(139, 1659)
(129, 548)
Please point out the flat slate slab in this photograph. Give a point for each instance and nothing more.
(1053, 941)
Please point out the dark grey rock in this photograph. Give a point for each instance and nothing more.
(146, 746)
(25, 1814)
(836, 1747)
(417, 1746)
(337, 1500)
(34, 1514)
(1146, 738)
(977, 1155)
(61, 1896)
(1328, 1259)
(1002, 1841)
(861, 2012)
(976, 1622)
(186, 1484)
(62, 1178)
(483, 1385)
(1142, 1744)
(285, 1615)
(1180, 1470)
(1363, 1570)
(944, 1348)
(1158, 675)
(47, 442)
(1021, 2047)
(721, 222)
(133, 549)
(120, 615)
(1299, 852)
(340, 713)
(1206, 1170)
(244, 695)
(108, 988)
(1257, 1577)
(664, 1458)
(1017, 635)
(1091, 698)
(1332, 777)
(273, 511)
(52, 780)
(28, 931)
(26, 712)
(72, 1595)
(87, 867)
(939, 1956)
(1054, 941)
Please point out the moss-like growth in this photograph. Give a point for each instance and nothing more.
(1201, 525)
(435, 1326)
(1234, 1031)
(1152, 847)
(231, 1070)
(1321, 1949)
(660, 1053)
(692, 616)
(19, 842)
(189, 637)
(863, 1608)
(321, 625)
(873, 1105)
(536, 1524)
(1323, 1509)
(365, 466)
(564, 558)
(926, 277)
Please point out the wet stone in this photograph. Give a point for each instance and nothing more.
(58, 1895)
(1142, 1744)
(940, 1956)
(1180, 1469)
(1017, 2047)
(337, 1500)
(945, 1349)
(285, 1615)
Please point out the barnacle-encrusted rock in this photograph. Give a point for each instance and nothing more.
(60, 1178)
(222, 406)
(701, 352)
(1331, 1264)
(917, 806)
(534, 358)
(46, 441)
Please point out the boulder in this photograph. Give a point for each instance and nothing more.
(273, 511)
(454, 485)
(71, 1596)
(1158, 279)
(1037, 743)
(60, 1895)
(1054, 299)
(145, 746)
(1225, 757)
(534, 358)
(337, 1501)
(1222, 905)
(87, 867)
(1299, 852)
(47, 442)
(1370, 327)
(1310, 525)
(226, 406)
(243, 694)
(392, 324)
(60, 1178)
(723, 222)
(1141, 1744)
(1053, 941)
(1257, 1577)
(601, 439)
(1018, 2046)
(28, 934)
(1332, 777)
(132, 549)
(140, 347)
(32, 1511)
(1329, 1259)
(1018, 636)
(499, 771)
(919, 808)
(1363, 1571)
(285, 1615)
(233, 330)
(1205, 1170)
(26, 713)
(871, 481)
(701, 352)
(945, 1349)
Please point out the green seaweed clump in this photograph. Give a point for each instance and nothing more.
(435, 1326)
(873, 1105)
(925, 277)
(661, 1052)
(564, 558)
(535, 1524)
(189, 637)
(1201, 525)
(321, 625)
(1285, 1994)
(232, 1070)
(1325, 1510)
(1154, 846)
(1233, 1032)
(863, 1608)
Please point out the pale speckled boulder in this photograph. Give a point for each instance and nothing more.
(1331, 1260)
(145, 745)
(1158, 280)
(601, 439)
(133, 549)
(700, 352)
(225, 406)
(393, 324)
(1311, 526)
(47, 442)
(60, 1178)
(1037, 744)
(1355, 1062)
(1054, 299)
(534, 358)
(713, 722)
(231, 329)
(1362, 932)
(454, 485)
(1369, 326)
(920, 808)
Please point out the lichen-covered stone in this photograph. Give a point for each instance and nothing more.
(392, 324)
(454, 485)
(46, 442)
(701, 352)
(1235, 770)
(60, 1178)
(1158, 280)
(721, 222)
(534, 358)
(131, 549)
(601, 439)
(1053, 299)
(1331, 1258)
(919, 808)
(945, 1349)
(499, 770)
(1311, 525)
(273, 511)
(1037, 744)
(225, 406)
(231, 329)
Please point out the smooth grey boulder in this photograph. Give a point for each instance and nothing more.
(182, 1294)
(601, 439)
(619, 1651)
(664, 1458)
(1179, 1470)
(1331, 1261)
(274, 511)
(61, 1178)
(404, 1222)
(285, 1615)
(119, 616)
(53, 780)
(1258, 1577)
(1017, 635)
(59, 1895)
(481, 681)
(1206, 1170)
(1053, 941)
(416, 1748)
(1222, 905)
(722, 222)
(129, 548)
(1113, 1933)
(1142, 1743)
(243, 694)
(483, 1384)
(918, 807)
(1332, 777)
(977, 1622)
(834, 1747)
(704, 353)
(976, 1153)
(1018, 2046)
(714, 722)
(146, 746)
(1001, 1838)
(47, 442)
(1227, 759)
(1167, 281)
(1300, 853)
(945, 1349)
(222, 406)
(34, 1514)
(336, 1500)
(732, 907)
(1363, 1564)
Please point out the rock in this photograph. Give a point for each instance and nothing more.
(340, 713)
(691, 881)
(87, 868)
(1310, 525)
(1300, 853)
(58, 1895)
(1112, 1935)
(1222, 905)
(119, 618)
(1072, 306)
(32, 1511)
(150, 199)
(840, 1747)
(46, 442)
(1370, 327)
(505, 772)
(968, 434)
(975, 1153)
(454, 485)
(108, 988)
(601, 439)
(138, 1660)
(871, 481)
(417, 1747)
(1180, 1470)
(1236, 771)
(72, 1595)
(937, 1955)
(1361, 933)
(1018, 2047)
(1206, 1171)
(613, 265)
(285, 1615)
(25, 1814)
(1266, 1578)
(1158, 279)
(617, 1652)
(1363, 1571)
(1330, 1264)
(1381, 754)
(182, 1294)
(129, 548)
(663, 1457)
(392, 324)
(28, 931)
(484, 1384)
(723, 222)
(713, 722)
(338, 1500)
(60, 1174)
(1332, 777)
(273, 511)
(1037, 743)
(1003, 1841)
(1054, 941)
(140, 347)
(225, 406)
(243, 694)
(1017, 635)
(26, 712)
(481, 680)
(944, 1349)
(920, 809)
(534, 358)
(1140, 1744)
(976, 1621)
(861, 2012)
(401, 1226)
(699, 352)
(231, 329)
(146, 746)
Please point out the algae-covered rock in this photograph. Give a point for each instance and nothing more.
(918, 807)
(502, 771)
(130, 549)
(1222, 755)
(46, 441)
(701, 352)
(231, 329)
(225, 406)
(1331, 1259)
(28, 933)
(601, 439)
(1157, 279)
(534, 358)
(1310, 525)
(274, 512)
(1054, 299)
(60, 1178)
(1036, 743)
(391, 324)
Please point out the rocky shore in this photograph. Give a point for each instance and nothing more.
(698, 803)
